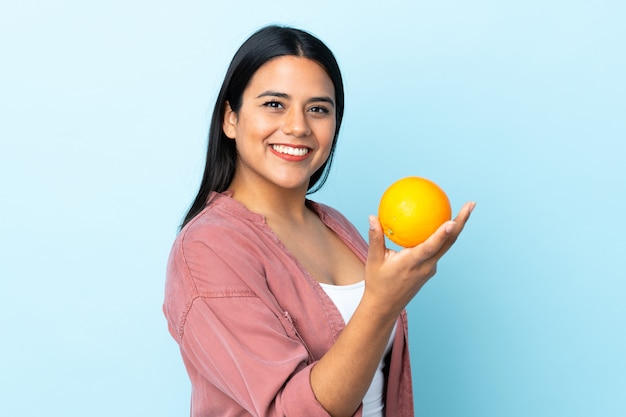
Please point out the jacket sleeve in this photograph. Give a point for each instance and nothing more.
(238, 345)
(248, 350)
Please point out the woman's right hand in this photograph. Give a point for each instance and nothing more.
(393, 278)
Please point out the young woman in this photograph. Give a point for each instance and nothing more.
(277, 303)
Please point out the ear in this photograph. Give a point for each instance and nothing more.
(229, 122)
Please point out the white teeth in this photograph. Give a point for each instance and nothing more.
(290, 151)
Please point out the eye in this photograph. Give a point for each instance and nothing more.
(319, 110)
(273, 104)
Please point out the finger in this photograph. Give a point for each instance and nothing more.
(376, 251)
(465, 212)
(455, 227)
(461, 219)
(433, 246)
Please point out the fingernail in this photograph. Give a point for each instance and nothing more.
(372, 220)
(472, 206)
(450, 227)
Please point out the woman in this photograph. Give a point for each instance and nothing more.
(278, 305)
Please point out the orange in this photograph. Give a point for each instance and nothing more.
(411, 209)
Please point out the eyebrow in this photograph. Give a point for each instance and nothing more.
(324, 99)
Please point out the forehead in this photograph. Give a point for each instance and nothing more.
(292, 73)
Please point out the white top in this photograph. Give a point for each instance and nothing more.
(347, 298)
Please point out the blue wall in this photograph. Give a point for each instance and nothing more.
(518, 105)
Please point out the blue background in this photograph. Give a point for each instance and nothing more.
(519, 105)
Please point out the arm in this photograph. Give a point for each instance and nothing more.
(342, 376)
(244, 350)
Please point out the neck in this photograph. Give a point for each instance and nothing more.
(277, 205)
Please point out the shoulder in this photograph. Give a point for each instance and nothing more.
(212, 256)
(327, 212)
(336, 220)
(214, 245)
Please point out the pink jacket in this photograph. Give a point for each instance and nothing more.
(251, 322)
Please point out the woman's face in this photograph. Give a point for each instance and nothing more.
(285, 127)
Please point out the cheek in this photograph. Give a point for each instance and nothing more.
(258, 128)
(327, 144)
(328, 133)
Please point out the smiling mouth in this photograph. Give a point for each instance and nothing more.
(288, 150)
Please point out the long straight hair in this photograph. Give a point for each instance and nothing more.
(267, 43)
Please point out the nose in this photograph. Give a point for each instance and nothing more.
(295, 123)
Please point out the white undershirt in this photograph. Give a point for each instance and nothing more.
(347, 298)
